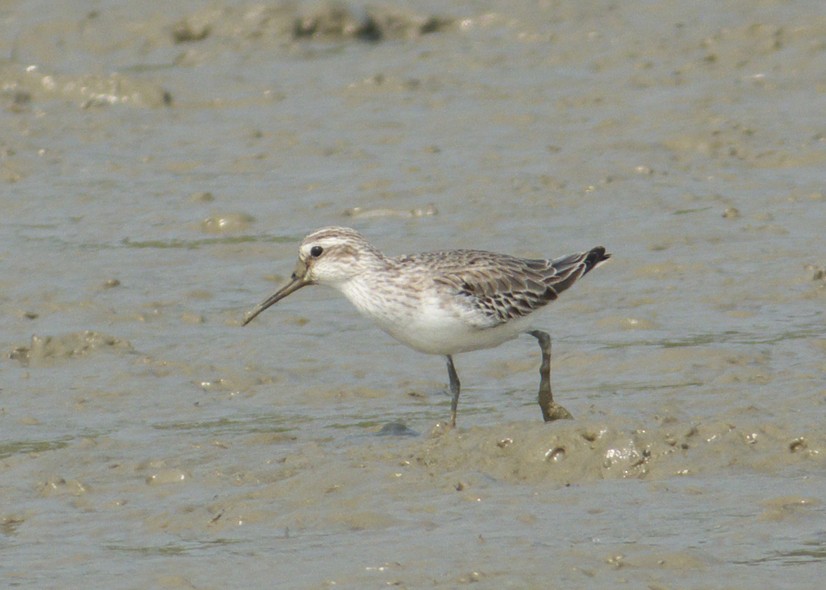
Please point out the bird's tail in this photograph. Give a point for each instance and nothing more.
(594, 258)
(569, 269)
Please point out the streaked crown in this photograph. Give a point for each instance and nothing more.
(336, 254)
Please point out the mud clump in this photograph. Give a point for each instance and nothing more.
(32, 83)
(336, 20)
(46, 349)
(577, 452)
(326, 21)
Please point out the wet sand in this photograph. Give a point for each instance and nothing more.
(159, 169)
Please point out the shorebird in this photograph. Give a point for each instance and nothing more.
(444, 302)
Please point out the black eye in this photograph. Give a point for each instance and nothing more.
(316, 251)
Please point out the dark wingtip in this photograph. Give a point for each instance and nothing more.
(595, 257)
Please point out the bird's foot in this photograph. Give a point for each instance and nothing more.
(441, 428)
(554, 411)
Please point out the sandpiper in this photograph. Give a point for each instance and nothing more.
(442, 302)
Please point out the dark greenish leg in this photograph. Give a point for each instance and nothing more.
(454, 389)
(550, 409)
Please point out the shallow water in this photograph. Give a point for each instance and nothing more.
(159, 170)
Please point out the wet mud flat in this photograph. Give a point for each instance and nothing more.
(658, 499)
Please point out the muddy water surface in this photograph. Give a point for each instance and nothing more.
(158, 169)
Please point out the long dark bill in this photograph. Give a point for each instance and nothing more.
(292, 286)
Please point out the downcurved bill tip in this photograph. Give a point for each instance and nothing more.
(292, 286)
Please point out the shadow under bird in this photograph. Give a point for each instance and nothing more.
(443, 302)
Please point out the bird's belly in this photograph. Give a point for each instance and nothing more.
(427, 323)
(449, 335)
